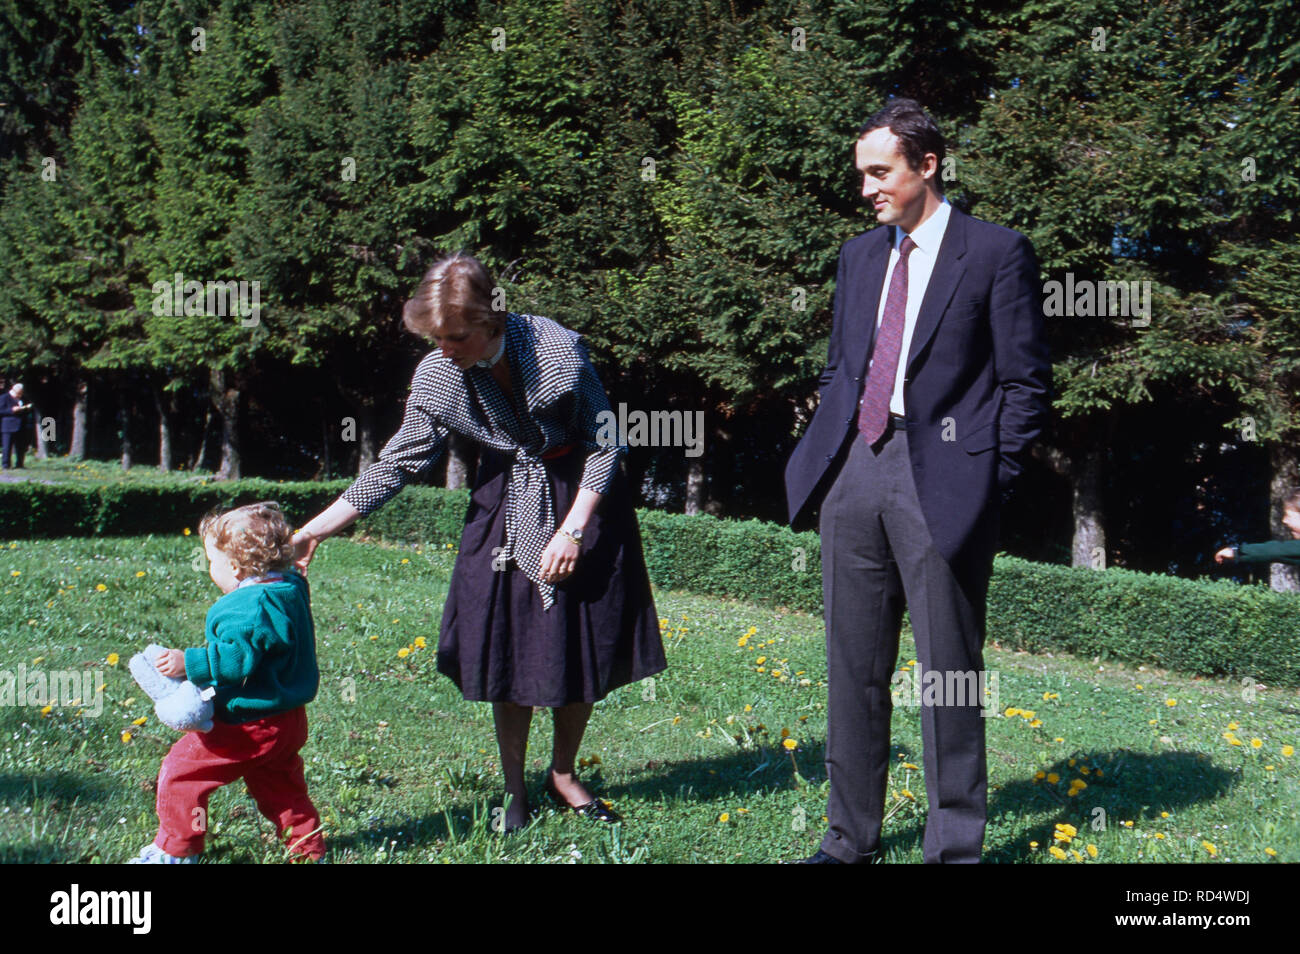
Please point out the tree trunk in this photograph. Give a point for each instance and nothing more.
(38, 438)
(124, 428)
(366, 450)
(226, 401)
(1088, 549)
(1088, 546)
(162, 405)
(201, 453)
(694, 485)
(77, 447)
(461, 454)
(1284, 480)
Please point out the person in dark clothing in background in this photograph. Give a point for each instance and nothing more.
(12, 426)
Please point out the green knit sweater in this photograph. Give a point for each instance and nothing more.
(1275, 551)
(260, 652)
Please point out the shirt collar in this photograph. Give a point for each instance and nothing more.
(929, 233)
(273, 577)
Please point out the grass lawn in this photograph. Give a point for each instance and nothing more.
(403, 770)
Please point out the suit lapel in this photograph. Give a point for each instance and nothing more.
(948, 270)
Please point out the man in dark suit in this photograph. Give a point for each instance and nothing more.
(12, 409)
(936, 383)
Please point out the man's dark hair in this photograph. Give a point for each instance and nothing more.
(917, 133)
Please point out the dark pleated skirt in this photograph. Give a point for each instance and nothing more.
(602, 632)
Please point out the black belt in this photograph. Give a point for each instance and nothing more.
(897, 421)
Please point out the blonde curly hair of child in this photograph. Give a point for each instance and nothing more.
(256, 537)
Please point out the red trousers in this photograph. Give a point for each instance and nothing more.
(264, 753)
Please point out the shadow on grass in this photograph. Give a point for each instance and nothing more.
(24, 789)
(1135, 786)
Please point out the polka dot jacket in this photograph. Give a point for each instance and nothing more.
(561, 400)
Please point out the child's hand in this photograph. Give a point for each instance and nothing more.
(171, 663)
(1224, 554)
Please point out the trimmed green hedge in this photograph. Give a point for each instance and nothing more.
(88, 510)
(1196, 626)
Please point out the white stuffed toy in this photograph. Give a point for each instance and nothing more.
(178, 703)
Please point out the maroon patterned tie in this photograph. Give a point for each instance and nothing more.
(874, 414)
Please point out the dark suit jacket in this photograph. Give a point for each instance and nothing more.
(10, 423)
(977, 373)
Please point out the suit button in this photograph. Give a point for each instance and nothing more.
(830, 456)
(857, 378)
(848, 420)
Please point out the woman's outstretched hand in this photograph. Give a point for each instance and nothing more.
(1224, 554)
(559, 559)
(304, 546)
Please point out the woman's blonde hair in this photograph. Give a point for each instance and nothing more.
(255, 537)
(454, 287)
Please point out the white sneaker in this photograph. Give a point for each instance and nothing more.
(151, 854)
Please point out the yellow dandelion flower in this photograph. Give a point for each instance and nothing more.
(1084, 770)
(912, 766)
(790, 744)
(760, 660)
(1057, 853)
(1171, 702)
(1077, 856)
(1053, 778)
(1270, 852)
(724, 818)
(749, 708)
(139, 573)
(1039, 775)
(1036, 724)
(1233, 726)
(1256, 743)
(403, 652)
(1268, 768)
(126, 736)
(1127, 824)
(1235, 741)
(761, 669)
(1033, 844)
(785, 733)
(1209, 846)
(1288, 751)
(100, 587)
(1071, 762)
(1067, 828)
(1138, 686)
(907, 794)
(140, 721)
(420, 642)
(1092, 851)
(1058, 739)
(1160, 835)
(677, 720)
(113, 659)
(185, 532)
(46, 711)
(1164, 814)
(406, 559)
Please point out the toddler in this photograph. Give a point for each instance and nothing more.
(261, 657)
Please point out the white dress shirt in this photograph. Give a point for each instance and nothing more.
(920, 265)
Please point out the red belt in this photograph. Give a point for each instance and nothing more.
(558, 451)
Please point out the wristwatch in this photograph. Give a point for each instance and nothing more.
(575, 534)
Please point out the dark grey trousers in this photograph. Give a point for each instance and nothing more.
(876, 552)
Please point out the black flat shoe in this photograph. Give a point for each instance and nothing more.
(593, 809)
(821, 858)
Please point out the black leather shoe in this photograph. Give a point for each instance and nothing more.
(593, 809)
(821, 858)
